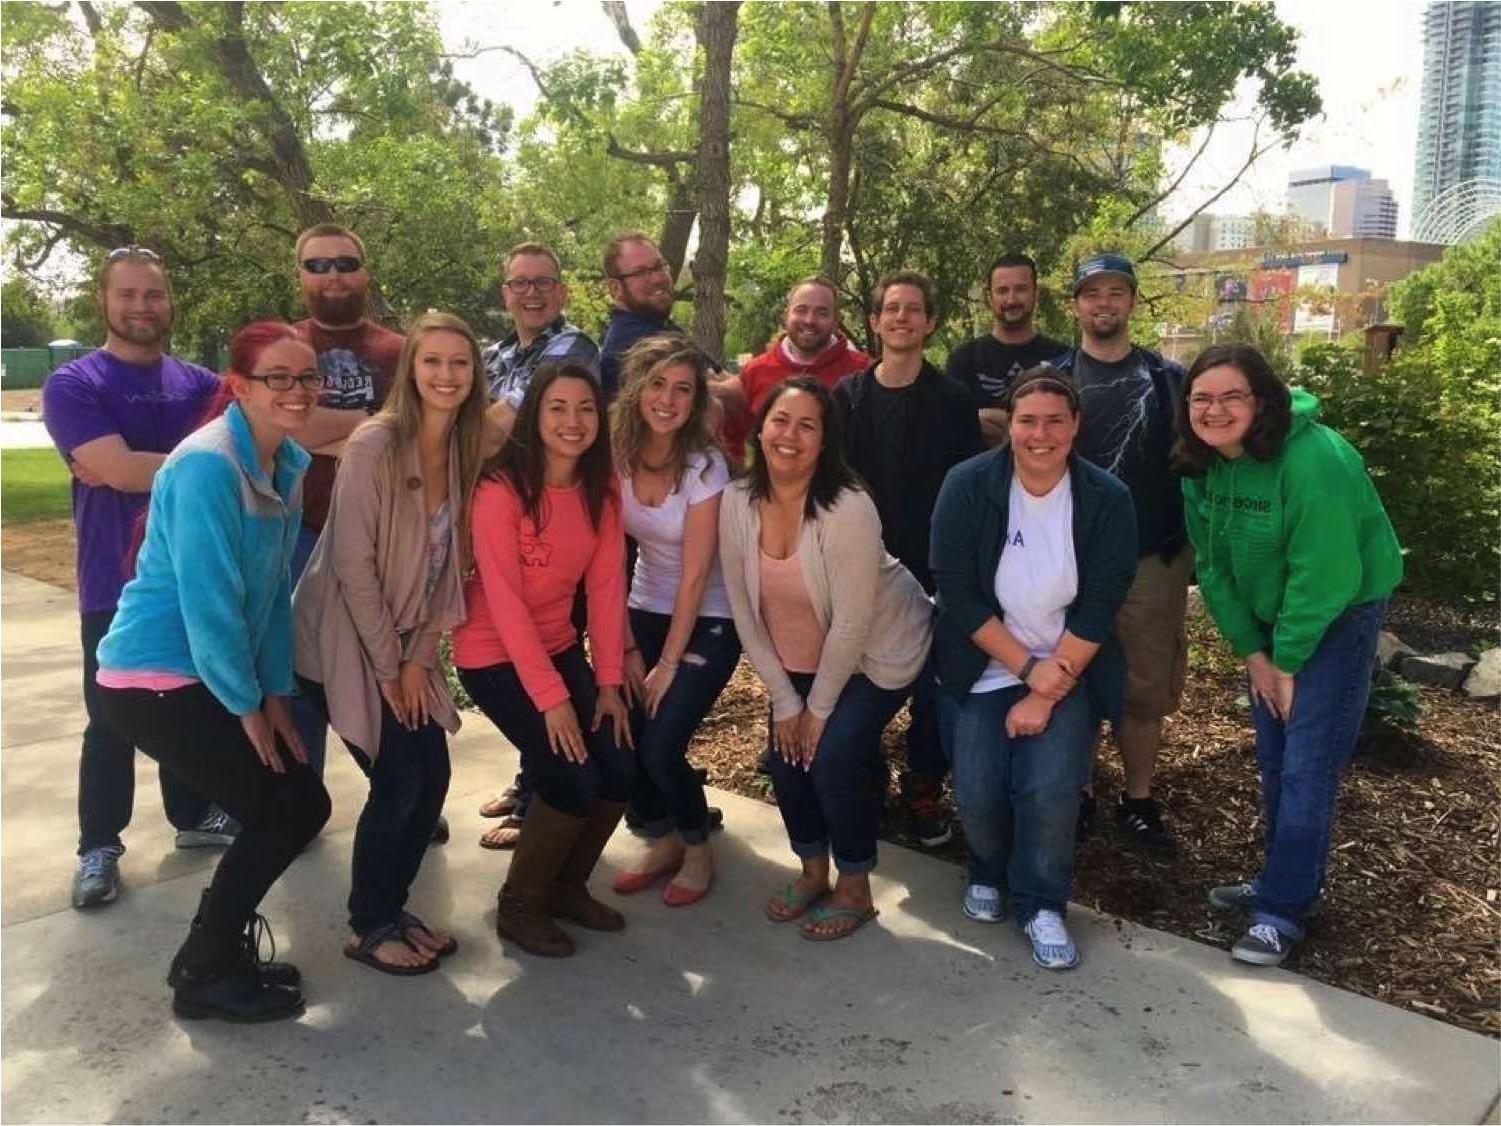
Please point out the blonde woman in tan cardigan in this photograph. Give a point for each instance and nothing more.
(382, 585)
(838, 630)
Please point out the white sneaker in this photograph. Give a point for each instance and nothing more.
(1052, 949)
(983, 904)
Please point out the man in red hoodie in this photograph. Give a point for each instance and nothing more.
(809, 344)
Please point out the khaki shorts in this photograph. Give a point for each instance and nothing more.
(1150, 625)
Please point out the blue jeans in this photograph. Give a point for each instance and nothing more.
(1019, 798)
(408, 782)
(667, 792)
(569, 787)
(925, 752)
(106, 769)
(834, 804)
(311, 724)
(1300, 763)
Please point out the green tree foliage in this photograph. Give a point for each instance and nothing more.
(1427, 423)
(26, 319)
(214, 132)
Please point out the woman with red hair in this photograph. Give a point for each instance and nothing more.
(197, 665)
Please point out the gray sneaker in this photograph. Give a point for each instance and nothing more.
(97, 880)
(217, 830)
(1262, 945)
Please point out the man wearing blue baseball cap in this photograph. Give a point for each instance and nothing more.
(1127, 395)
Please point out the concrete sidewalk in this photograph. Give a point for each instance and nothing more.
(707, 1014)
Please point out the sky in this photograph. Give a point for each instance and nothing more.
(1366, 54)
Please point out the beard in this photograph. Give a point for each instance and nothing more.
(337, 310)
(138, 332)
(1015, 317)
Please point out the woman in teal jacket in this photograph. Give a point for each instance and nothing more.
(197, 665)
(1296, 559)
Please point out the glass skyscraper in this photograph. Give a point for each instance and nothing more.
(1459, 118)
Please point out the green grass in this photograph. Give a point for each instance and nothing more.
(34, 485)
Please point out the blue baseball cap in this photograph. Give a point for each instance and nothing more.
(1104, 264)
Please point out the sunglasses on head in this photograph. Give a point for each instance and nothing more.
(120, 252)
(343, 263)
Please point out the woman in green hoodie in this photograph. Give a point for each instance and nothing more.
(1296, 559)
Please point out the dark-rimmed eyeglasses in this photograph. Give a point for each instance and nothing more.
(660, 266)
(284, 381)
(343, 263)
(1230, 400)
(537, 285)
(120, 252)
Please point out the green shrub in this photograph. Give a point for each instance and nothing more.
(1394, 702)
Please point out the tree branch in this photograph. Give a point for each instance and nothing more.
(101, 234)
(1257, 152)
(1147, 207)
(668, 160)
(91, 18)
(615, 9)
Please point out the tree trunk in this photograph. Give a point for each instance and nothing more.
(717, 27)
(842, 139)
(677, 224)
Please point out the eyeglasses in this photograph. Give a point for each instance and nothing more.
(1230, 400)
(284, 381)
(538, 285)
(344, 264)
(120, 252)
(660, 266)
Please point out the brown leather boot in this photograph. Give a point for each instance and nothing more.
(547, 837)
(570, 898)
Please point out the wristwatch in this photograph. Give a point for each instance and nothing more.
(1026, 669)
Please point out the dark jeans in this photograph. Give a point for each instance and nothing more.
(1019, 798)
(570, 787)
(835, 804)
(190, 731)
(408, 782)
(925, 755)
(106, 769)
(1300, 762)
(311, 722)
(667, 793)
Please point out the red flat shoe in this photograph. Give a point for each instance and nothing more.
(675, 895)
(627, 883)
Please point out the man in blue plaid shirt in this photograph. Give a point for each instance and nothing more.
(534, 294)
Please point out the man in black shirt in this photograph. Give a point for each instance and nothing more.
(1127, 394)
(987, 364)
(906, 424)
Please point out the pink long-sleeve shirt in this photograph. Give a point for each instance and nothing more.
(520, 597)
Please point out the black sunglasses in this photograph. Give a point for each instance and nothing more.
(344, 264)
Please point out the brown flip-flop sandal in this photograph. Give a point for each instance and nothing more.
(364, 953)
(407, 922)
(487, 838)
(501, 806)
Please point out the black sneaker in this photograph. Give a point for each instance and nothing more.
(931, 824)
(1262, 945)
(1084, 827)
(1141, 819)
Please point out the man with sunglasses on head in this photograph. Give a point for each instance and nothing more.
(534, 294)
(114, 415)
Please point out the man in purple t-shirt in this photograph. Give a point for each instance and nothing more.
(114, 415)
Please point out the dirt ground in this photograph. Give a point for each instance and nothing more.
(1413, 902)
(27, 399)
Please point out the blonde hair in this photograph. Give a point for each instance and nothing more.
(629, 431)
(402, 413)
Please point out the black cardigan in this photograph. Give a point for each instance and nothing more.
(969, 534)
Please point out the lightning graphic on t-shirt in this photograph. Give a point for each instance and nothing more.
(1132, 424)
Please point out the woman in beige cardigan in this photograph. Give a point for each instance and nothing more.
(381, 587)
(838, 631)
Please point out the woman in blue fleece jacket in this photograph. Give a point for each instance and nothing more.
(197, 665)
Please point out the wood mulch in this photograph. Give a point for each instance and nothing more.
(1413, 900)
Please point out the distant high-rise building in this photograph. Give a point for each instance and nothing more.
(1362, 209)
(1459, 117)
(1217, 232)
(1309, 191)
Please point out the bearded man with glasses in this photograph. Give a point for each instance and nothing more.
(639, 281)
(534, 294)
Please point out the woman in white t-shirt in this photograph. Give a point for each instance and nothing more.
(681, 646)
(1033, 551)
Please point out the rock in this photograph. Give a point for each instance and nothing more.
(1484, 681)
(1441, 670)
(1390, 649)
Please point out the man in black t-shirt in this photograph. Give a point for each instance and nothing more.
(1127, 395)
(905, 425)
(987, 364)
